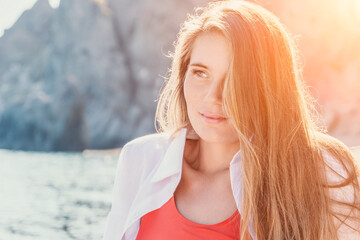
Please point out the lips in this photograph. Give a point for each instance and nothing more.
(212, 116)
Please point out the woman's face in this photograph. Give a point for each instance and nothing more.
(203, 86)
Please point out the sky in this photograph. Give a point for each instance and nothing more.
(11, 10)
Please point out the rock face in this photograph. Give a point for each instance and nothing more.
(84, 75)
(87, 74)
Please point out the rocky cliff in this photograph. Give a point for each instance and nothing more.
(87, 74)
(84, 75)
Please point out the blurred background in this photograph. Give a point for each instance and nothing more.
(80, 78)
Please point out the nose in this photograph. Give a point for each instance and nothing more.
(214, 92)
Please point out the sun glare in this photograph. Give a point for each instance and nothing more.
(357, 9)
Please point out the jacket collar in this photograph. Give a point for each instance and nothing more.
(172, 161)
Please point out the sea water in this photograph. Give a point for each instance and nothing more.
(54, 196)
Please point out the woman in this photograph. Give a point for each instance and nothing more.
(238, 154)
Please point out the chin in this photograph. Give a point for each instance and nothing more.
(220, 132)
(215, 134)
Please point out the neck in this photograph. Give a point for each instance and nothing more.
(210, 158)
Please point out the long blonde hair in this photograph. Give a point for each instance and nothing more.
(284, 190)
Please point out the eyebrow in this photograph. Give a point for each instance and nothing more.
(199, 65)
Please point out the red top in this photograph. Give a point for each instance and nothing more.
(166, 223)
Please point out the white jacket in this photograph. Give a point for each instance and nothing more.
(148, 172)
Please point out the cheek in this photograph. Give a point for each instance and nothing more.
(193, 96)
(189, 93)
(191, 99)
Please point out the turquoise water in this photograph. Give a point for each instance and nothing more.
(54, 195)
